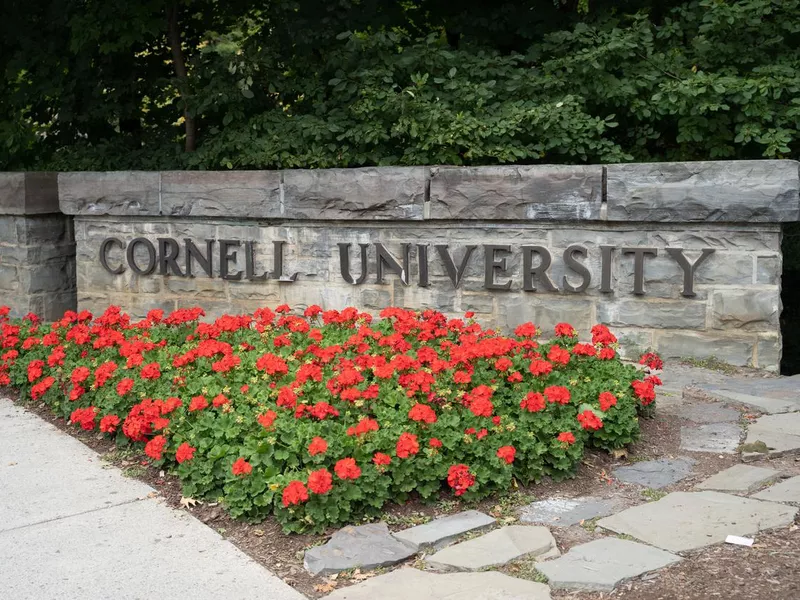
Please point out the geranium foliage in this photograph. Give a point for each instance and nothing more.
(323, 418)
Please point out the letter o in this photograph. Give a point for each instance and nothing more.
(151, 251)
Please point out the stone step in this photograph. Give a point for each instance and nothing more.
(602, 564)
(655, 474)
(496, 548)
(443, 531)
(771, 436)
(409, 583)
(785, 491)
(739, 479)
(717, 438)
(563, 512)
(769, 395)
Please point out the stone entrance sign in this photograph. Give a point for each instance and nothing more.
(683, 258)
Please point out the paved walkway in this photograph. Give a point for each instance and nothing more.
(72, 527)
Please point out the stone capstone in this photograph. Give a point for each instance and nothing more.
(563, 512)
(408, 583)
(712, 437)
(496, 548)
(655, 474)
(602, 564)
(749, 191)
(739, 478)
(785, 491)
(773, 435)
(683, 521)
(440, 532)
(365, 547)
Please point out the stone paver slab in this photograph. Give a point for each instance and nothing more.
(602, 564)
(168, 554)
(563, 512)
(718, 438)
(709, 412)
(785, 491)
(365, 546)
(739, 478)
(655, 474)
(780, 434)
(440, 532)
(496, 548)
(406, 583)
(46, 474)
(769, 395)
(683, 521)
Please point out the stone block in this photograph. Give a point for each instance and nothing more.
(381, 193)
(365, 546)
(603, 564)
(771, 396)
(712, 412)
(716, 438)
(9, 278)
(119, 193)
(496, 548)
(30, 193)
(769, 351)
(226, 194)
(785, 491)
(746, 309)
(683, 521)
(753, 191)
(540, 192)
(441, 532)
(739, 479)
(563, 512)
(545, 310)
(405, 583)
(768, 270)
(773, 435)
(655, 474)
(734, 350)
(662, 314)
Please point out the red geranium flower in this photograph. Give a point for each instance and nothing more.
(533, 402)
(422, 413)
(109, 423)
(125, 386)
(381, 459)
(607, 400)
(198, 403)
(606, 353)
(151, 371)
(320, 482)
(652, 361)
(241, 467)
(589, 420)
(566, 437)
(565, 330)
(347, 468)
(559, 355)
(155, 447)
(506, 453)
(540, 367)
(317, 446)
(294, 493)
(460, 479)
(435, 443)
(481, 407)
(557, 393)
(645, 391)
(184, 452)
(407, 445)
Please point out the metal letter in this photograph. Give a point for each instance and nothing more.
(344, 263)
(104, 247)
(422, 257)
(450, 266)
(151, 251)
(492, 264)
(193, 251)
(168, 251)
(540, 271)
(277, 271)
(689, 268)
(579, 268)
(638, 266)
(606, 258)
(225, 257)
(386, 259)
(250, 263)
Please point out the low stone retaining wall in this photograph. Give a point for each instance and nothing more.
(684, 258)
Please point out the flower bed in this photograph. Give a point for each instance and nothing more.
(323, 418)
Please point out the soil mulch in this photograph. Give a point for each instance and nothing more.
(770, 569)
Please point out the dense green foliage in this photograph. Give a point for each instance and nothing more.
(306, 83)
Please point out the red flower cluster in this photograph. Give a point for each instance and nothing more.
(460, 479)
(589, 420)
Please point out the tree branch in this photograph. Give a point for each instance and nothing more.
(179, 62)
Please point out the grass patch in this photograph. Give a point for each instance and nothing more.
(653, 495)
(711, 363)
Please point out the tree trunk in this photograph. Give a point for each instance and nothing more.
(178, 59)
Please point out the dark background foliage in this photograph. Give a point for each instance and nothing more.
(213, 84)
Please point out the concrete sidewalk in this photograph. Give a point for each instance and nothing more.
(72, 527)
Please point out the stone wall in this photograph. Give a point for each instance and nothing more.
(37, 248)
(596, 224)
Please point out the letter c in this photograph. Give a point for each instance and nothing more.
(104, 248)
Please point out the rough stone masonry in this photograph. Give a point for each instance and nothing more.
(683, 258)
